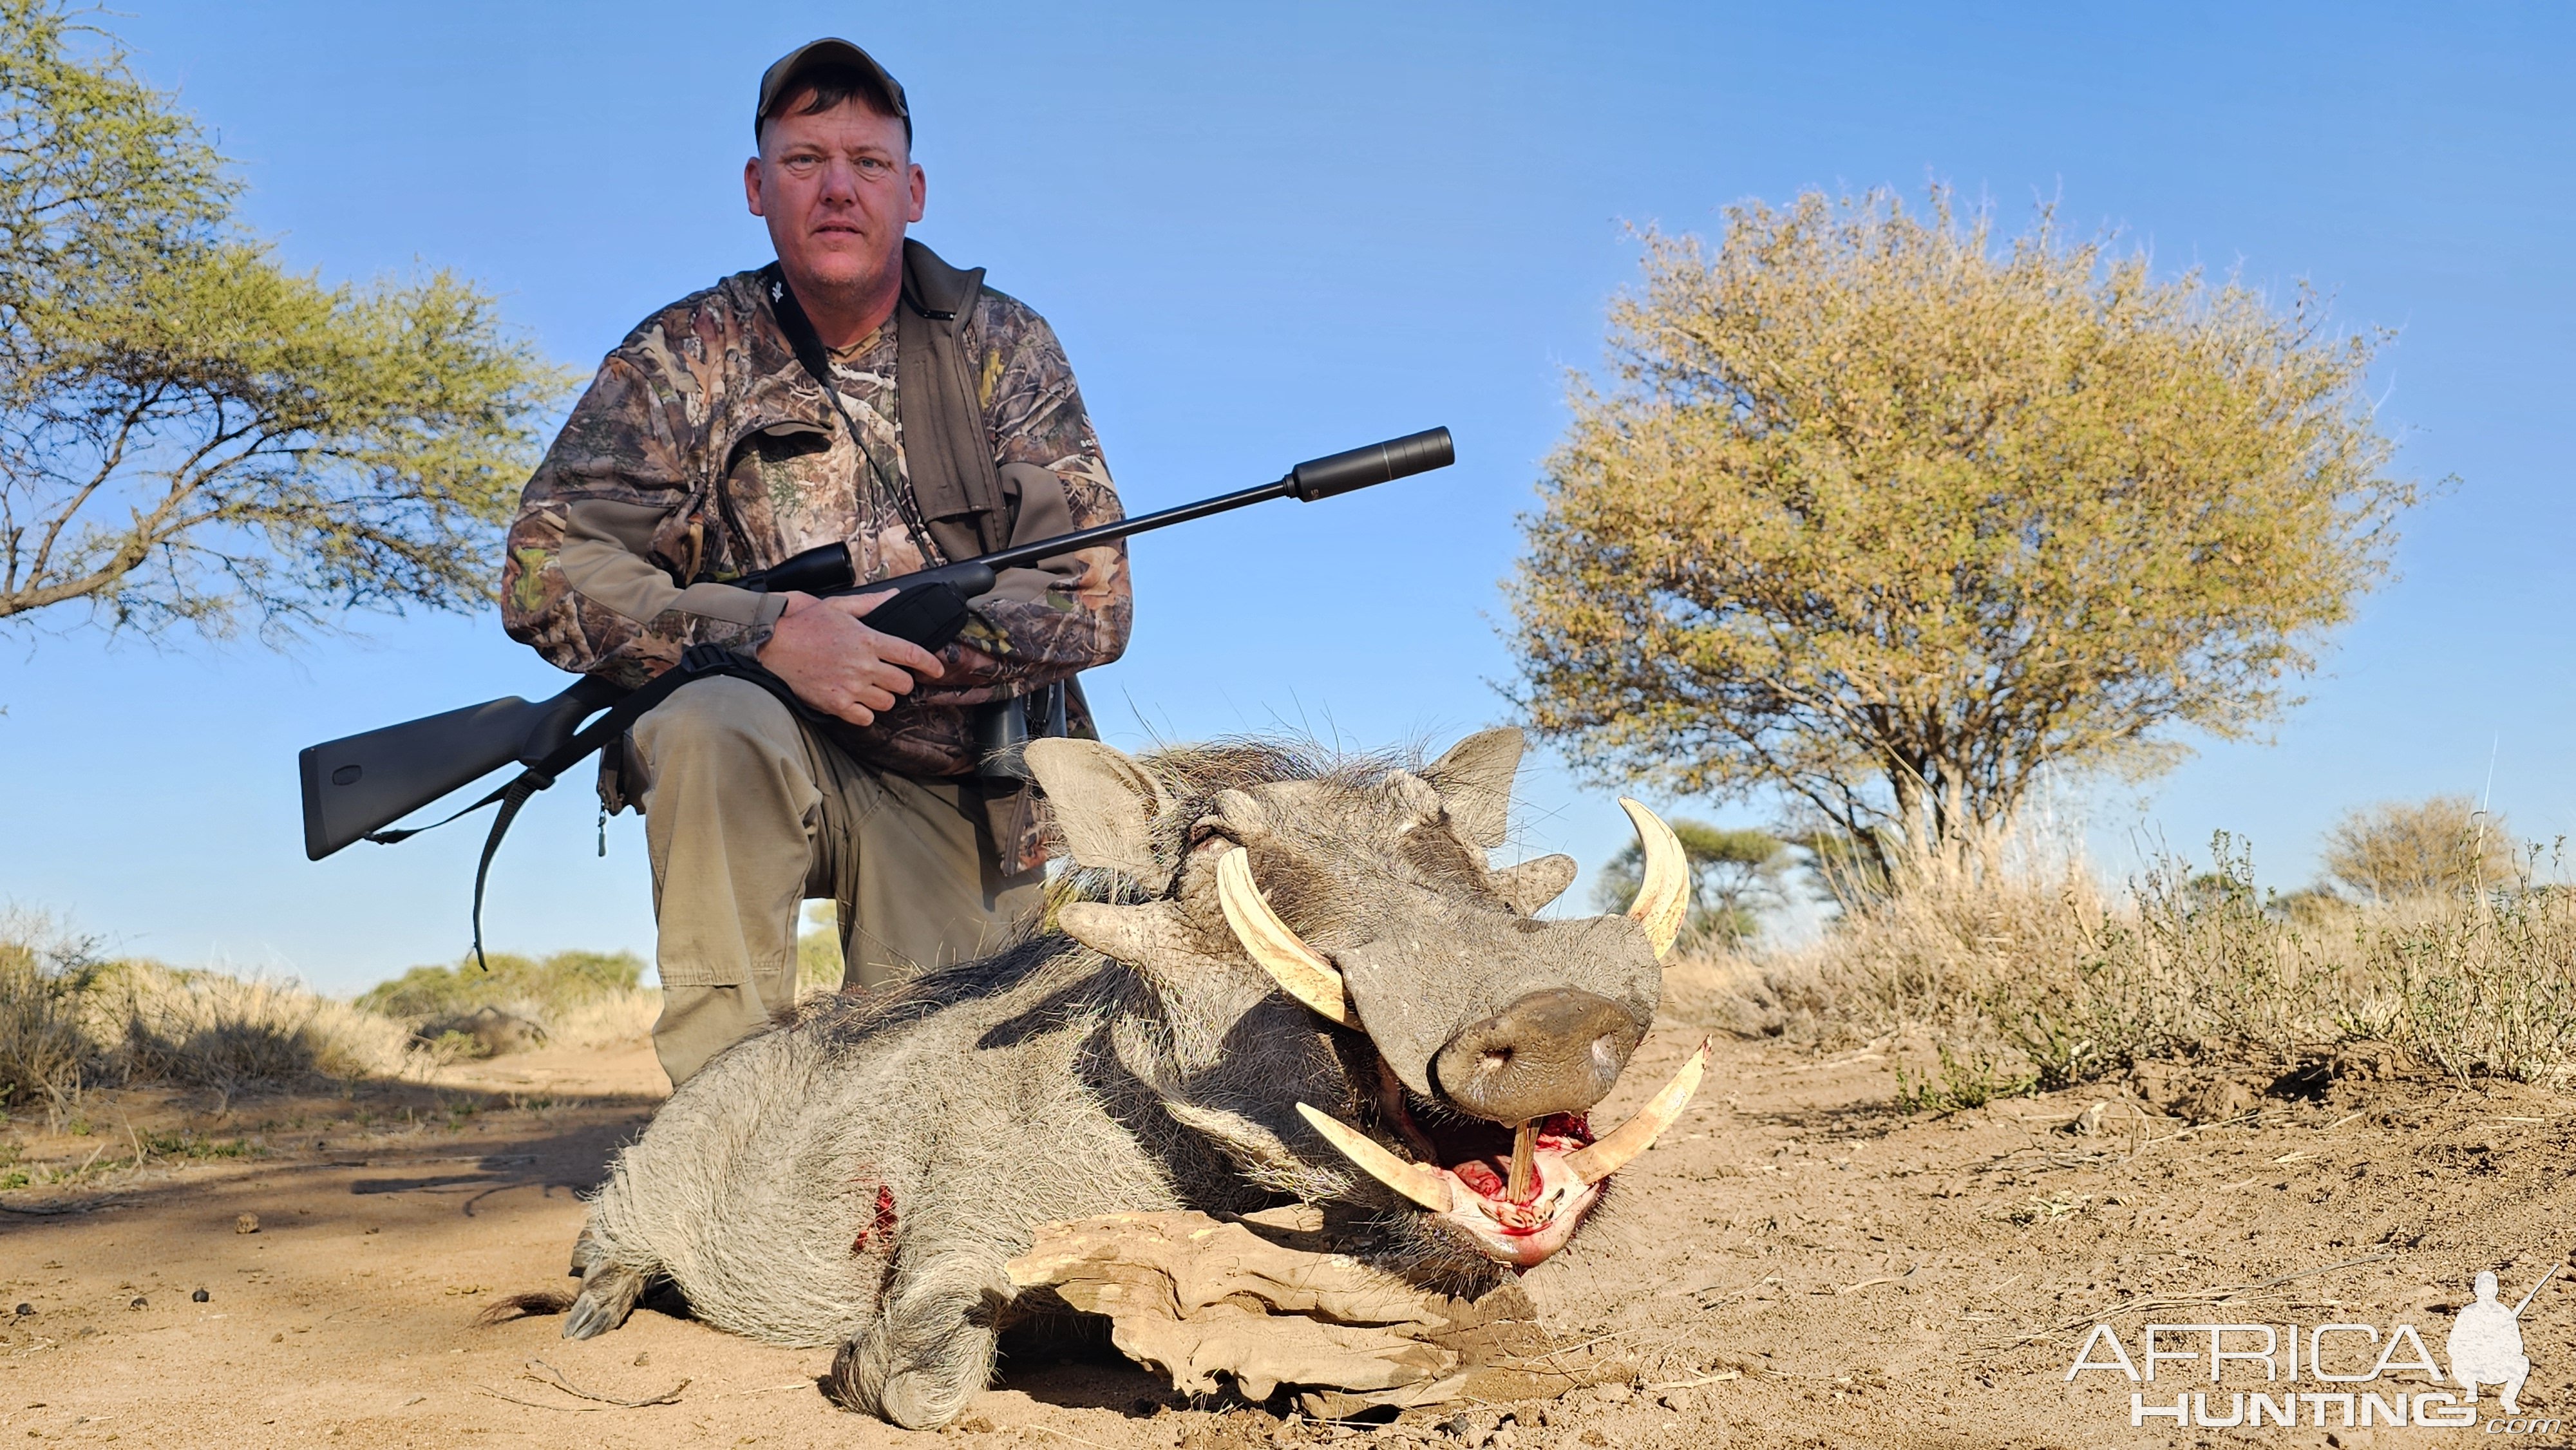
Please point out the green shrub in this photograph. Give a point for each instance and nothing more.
(1967, 1080)
(542, 987)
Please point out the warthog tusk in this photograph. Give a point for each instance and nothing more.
(1425, 1186)
(1295, 966)
(1630, 1138)
(1663, 895)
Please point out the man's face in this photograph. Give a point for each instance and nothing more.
(836, 189)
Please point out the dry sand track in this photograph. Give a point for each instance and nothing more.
(1796, 1265)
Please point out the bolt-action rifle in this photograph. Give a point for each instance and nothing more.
(356, 786)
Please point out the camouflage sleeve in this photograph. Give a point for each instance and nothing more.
(1035, 416)
(607, 534)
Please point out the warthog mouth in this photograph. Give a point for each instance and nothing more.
(1519, 1203)
(1518, 1193)
(1520, 1230)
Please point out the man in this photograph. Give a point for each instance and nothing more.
(705, 449)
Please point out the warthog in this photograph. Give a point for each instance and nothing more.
(1277, 971)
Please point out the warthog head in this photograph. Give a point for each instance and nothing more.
(1340, 981)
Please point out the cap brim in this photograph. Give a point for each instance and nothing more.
(777, 82)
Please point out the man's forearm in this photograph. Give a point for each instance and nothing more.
(582, 592)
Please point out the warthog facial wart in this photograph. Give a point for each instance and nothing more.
(1271, 978)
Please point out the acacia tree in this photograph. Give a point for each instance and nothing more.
(1736, 875)
(2443, 846)
(1889, 517)
(190, 433)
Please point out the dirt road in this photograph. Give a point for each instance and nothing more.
(1797, 1264)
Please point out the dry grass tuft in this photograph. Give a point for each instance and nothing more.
(2036, 979)
(44, 1044)
(208, 1029)
(612, 1020)
(71, 1019)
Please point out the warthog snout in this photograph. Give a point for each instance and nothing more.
(1556, 1051)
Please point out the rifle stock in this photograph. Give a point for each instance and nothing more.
(363, 783)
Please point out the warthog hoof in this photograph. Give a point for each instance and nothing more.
(607, 1297)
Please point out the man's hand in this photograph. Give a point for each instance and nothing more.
(838, 665)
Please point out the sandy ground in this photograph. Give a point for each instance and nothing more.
(1797, 1264)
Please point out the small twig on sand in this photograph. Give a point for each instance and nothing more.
(1706, 1379)
(1067, 1434)
(537, 1404)
(763, 1390)
(1596, 1339)
(555, 1377)
(2246, 1117)
(1863, 1055)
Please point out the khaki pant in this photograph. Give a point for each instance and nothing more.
(747, 812)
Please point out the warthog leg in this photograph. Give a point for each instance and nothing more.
(931, 1344)
(608, 1295)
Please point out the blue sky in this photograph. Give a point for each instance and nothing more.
(1266, 233)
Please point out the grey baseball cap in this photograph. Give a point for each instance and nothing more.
(779, 81)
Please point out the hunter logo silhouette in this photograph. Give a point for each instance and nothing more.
(2486, 1342)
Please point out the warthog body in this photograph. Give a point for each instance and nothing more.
(860, 1175)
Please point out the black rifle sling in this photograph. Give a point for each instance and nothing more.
(947, 449)
(699, 662)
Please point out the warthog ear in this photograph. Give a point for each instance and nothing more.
(1475, 783)
(1105, 804)
(1534, 883)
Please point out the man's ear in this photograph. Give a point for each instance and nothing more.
(1104, 804)
(1475, 783)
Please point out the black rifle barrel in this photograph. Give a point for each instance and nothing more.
(826, 569)
(355, 786)
(1109, 533)
(1314, 479)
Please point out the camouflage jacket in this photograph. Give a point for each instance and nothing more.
(703, 449)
